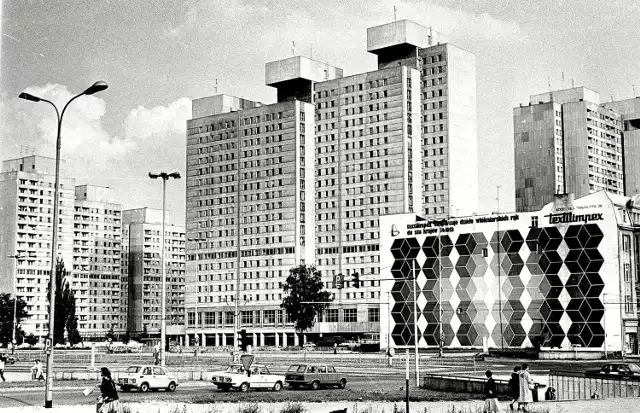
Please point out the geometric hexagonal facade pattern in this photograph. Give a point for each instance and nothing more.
(505, 286)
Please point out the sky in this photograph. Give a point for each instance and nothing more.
(156, 56)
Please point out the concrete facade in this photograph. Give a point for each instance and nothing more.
(630, 111)
(449, 119)
(26, 214)
(143, 227)
(566, 142)
(96, 271)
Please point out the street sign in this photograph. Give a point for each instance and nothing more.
(247, 360)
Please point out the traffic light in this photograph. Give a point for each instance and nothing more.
(242, 340)
(356, 280)
(338, 281)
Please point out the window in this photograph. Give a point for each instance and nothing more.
(374, 314)
(626, 243)
(331, 315)
(350, 315)
(628, 305)
(627, 272)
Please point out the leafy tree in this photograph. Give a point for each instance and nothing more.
(65, 309)
(6, 318)
(31, 339)
(111, 334)
(305, 297)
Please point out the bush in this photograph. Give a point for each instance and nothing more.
(293, 408)
(249, 408)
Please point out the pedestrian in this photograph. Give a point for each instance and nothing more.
(108, 392)
(514, 387)
(3, 360)
(526, 386)
(490, 394)
(36, 371)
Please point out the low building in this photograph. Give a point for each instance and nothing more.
(559, 277)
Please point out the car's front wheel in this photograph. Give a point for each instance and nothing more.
(277, 386)
(172, 387)
(244, 387)
(342, 384)
(315, 385)
(144, 387)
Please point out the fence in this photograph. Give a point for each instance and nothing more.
(473, 385)
(575, 386)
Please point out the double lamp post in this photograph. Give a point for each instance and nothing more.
(96, 87)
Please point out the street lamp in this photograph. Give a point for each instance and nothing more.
(15, 303)
(95, 88)
(163, 322)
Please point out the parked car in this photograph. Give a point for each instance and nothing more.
(237, 378)
(145, 378)
(315, 375)
(617, 369)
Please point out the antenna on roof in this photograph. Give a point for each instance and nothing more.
(563, 79)
(394, 13)
(549, 83)
(215, 87)
(293, 48)
(573, 82)
(634, 90)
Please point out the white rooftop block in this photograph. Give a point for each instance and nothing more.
(566, 95)
(299, 67)
(215, 105)
(399, 33)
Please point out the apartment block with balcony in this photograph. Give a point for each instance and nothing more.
(26, 219)
(96, 271)
(143, 227)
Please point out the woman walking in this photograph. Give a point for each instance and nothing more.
(108, 392)
(490, 394)
(514, 387)
(526, 386)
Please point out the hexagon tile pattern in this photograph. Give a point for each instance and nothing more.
(520, 298)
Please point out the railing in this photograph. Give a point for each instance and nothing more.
(575, 386)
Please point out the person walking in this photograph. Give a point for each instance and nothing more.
(36, 371)
(526, 386)
(514, 387)
(108, 392)
(3, 360)
(490, 394)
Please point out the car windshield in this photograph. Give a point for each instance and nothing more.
(296, 368)
(634, 368)
(133, 369)
(235, 369)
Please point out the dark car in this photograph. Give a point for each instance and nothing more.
(616, 370)
(315, 375)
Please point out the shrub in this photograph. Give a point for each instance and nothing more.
(293, 408)
(249, 408)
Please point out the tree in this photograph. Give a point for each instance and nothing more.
(6, 318)
(305, 297)
(65, 319)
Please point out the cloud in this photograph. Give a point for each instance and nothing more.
(159, 122)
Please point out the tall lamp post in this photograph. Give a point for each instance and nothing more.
(15, 303)
(163, 322)
(95, 88)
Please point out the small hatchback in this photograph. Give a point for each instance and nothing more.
(145, 378)
(315, 375)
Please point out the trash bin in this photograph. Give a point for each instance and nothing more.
(535, 392)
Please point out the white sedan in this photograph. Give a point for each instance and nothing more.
(145, 378)
(237, 378)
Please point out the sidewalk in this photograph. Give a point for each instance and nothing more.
(583, 406)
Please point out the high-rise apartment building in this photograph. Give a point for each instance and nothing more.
(250, 205)
(142, 255)
(629, 109)
(96, 271)
(88, 243)
(566, 142)
(398, 139)
(26, 219)
(448, 120)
